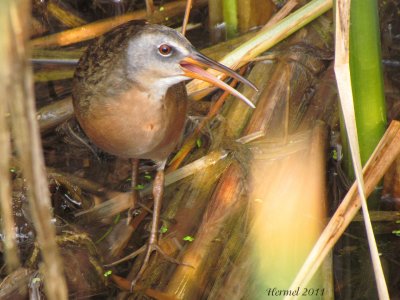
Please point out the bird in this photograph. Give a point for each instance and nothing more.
(130, 99)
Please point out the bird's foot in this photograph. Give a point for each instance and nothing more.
(151, 247)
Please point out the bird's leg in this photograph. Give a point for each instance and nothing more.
(134, 183)
(158, 190)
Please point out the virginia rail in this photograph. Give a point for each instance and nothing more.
(130, 99)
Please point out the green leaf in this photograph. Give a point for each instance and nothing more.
(188, 238)
(163, 229)
(139, 187)
(199, 143)
(396, 232)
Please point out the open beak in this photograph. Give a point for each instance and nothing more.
(193, 65)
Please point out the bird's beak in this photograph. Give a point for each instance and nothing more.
(193, 65)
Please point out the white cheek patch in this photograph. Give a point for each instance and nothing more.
(161, 86)
(169, 81)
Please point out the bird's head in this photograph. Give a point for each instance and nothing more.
(161, 57)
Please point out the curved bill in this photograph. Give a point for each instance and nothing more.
(192, 67)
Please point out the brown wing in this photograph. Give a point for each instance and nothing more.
(102, 65)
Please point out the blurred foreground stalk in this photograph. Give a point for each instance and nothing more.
(26, 139)
(8, 231)
(288, 199)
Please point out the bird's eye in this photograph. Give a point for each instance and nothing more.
(165, 50)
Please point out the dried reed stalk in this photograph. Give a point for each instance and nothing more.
(189, 4)
(54, 114)
(253, 13)
(92, 30)
(188, 280)
(28, 145)
(149, 8)
(215, 20)
(64, 14)
(7, 215)
(60, 73)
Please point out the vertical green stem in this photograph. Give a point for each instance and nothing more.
(230, 14)
(366, 77)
